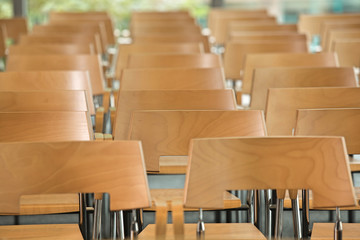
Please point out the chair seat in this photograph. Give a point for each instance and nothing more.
(212, 231)
(43, 231)
(173, 164)
(169, 195)
(324, 231)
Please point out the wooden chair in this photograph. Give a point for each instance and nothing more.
(339, 34)
(165, 29)
(282, 104)
(348, 52)
(3, 37)
(51, 48)
(266, 36)
(125, 50)
(254, 61)
(292, 77)
(15, 27)
(261, 27)
(235, 53)
(70, 160)
(129, 101)
(48, 81)
(206, 60)
(219, 164)
(42, 38)
(181, 78)
(175, 129)
(146, 22)
(90, 63)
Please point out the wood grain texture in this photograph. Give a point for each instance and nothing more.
(129, 101)
(44, 126)
(282, 104)
(43, 101)
(72, 167)
(15, 27)
(90, 63)
(173, 164)
(340, 34)
(269, 26)
(311, 23)
(348, 52)
(316, 163)
(168, 133)
(266, 36)
(294, 77)
(125, 50)
(206, 60)
(213, 231)
(331, 122)
(328, 26)
(48, 81)
(3, 39)
(235, 53)
(184, 29)
(325, 231)
(51, 48)
(181, 78)
(254, 61)
(41, 231)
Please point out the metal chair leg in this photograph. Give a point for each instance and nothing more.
(296, 218)
(134, 228)
(279, 218)
(268, 214)
(97, 220)
(305, 214)
(118, 230)
(250, 203)
(338, 229)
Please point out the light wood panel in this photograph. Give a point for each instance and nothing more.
(181, 78)
(48, 81)
(15, 27)
(3, 38)
(43, 101)
(348, 52)
(291, 77)
(206, 60)
(129, 101)
(90, 63)
(257, 27)
(235, 52)
(168, 133)
(184, 29)
(329, 26)
(71, 167)
(266, 36)
(339, 34)
(331, 122)
(316, 163)
(325, 231)
(254, 61)
(51, 48)
(45, 126)
(125, 50)
(283, 102)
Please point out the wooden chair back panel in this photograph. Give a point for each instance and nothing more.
(206, 60)
(43, 101)
(168, 133)
(270, 26)
(331, 122)
(254, 61)
(140, 29)
(3, 38)
(45, 126)
(129, 101)
(348, 52)
(90, 63)
(115, 167)
(266, 36)
(338, 35)
(235, 53)
(175, 23)
(282, 104)
(125, 50)
(329, 26)
(292, 77)
(15, 27)
(316, 163)
(51, 48)
(181, 79)
(48, 81)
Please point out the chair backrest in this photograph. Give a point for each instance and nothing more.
(311, 24)
(260, 27)
(114, 167)
(235, 53)
(206, 60)
(125, 50)
(129, 101)
(181, 78)
(339, 34)
(221, 164)
(3, 38)
(331, 122)
(283, 102)
(51, 48)
(168, 133)
(254, 61)
(43, 101)
(45, 126)
(292, 77)
(90, 63)
(15, 27)
(266, 36)
(42, 38)
(48, 81)
(191, 29)
(348, 52)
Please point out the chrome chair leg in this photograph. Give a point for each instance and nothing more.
(134, 228)
(250, 203)
(200, 227)
(279, 218)
(338, 226)
(118, 231)
(296, 218)
(268, 216)
(305, 214)
(97, 220)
